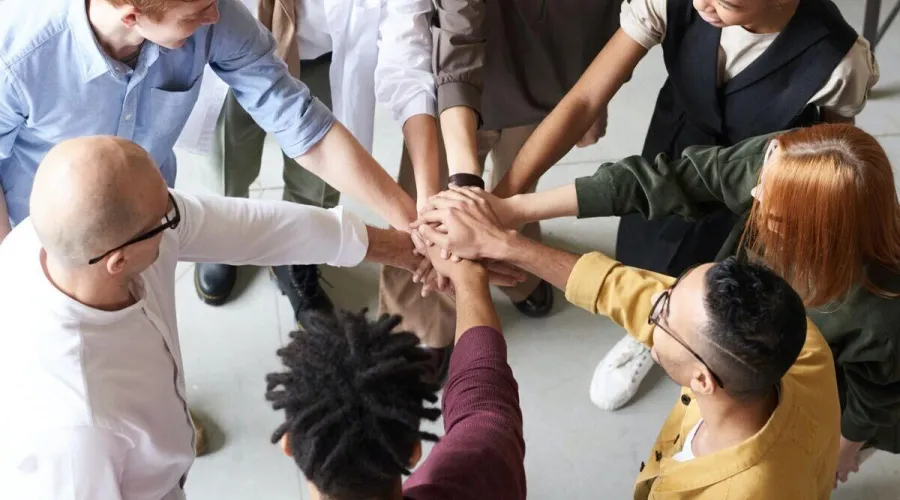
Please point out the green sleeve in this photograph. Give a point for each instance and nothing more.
(704, 176)
(872, 384)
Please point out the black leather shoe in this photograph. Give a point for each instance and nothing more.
(214, 282)
(301, 286)
(539, 303)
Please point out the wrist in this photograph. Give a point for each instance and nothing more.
(517, 211)
(504, 246)
(471, 276)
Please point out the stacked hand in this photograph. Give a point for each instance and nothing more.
(461, 227)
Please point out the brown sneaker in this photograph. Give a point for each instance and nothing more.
(200, 436)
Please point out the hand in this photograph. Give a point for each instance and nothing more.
(498, 273)
(468, 229)
(457, 197)
(848, 460)
(597, 130)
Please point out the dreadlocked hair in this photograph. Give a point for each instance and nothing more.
(354, 396)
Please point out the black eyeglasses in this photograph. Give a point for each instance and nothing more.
(169, 222)
(662, 304)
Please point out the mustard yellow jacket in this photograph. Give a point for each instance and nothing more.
(794, 457)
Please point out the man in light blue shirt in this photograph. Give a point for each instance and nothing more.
(132, 68)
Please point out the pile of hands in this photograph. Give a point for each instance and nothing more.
(462, 233)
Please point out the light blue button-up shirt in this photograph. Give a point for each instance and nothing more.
(56, 83)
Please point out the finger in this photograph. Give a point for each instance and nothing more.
(441, 282)
(502, 280)
(445, 254)
(505, 269)
(434, 236)
(422, 270)
(470, 193)
(455, 258)
(436, 216)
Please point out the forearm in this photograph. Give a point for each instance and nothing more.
(420, 137)
(341, 161)
(390, 247)
(459, 126)
(474, 306)
(543, 205)
(575, 114)
(550, 264)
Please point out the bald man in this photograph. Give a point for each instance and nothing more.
(90, 369)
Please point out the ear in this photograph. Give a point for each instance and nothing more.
(116, 261)
(128, 14)
(702, 381)
(416, 455)
(286, 445)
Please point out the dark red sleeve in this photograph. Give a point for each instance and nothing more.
(482, 452)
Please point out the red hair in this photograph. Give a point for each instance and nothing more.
(831, 194)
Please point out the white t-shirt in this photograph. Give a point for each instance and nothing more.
(687, 453)
(845, 93)
(94, 403)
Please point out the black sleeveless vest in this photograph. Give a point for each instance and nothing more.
(769, 95)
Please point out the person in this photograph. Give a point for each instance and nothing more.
(733, 71)
(354, 395)
(849, 277)
(758, 415)
(95, 372)
(500, 67)
(134, 68)
(348, 53)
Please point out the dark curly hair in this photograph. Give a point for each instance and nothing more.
(758, 323)
(354, 397)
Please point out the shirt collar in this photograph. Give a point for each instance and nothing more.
(91, 58)
(711, 469)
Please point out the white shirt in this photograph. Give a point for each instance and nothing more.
(94, 401)
(312, 33)
(845, 93)
(687, 452)
(381, 52)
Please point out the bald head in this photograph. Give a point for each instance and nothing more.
(92, 194)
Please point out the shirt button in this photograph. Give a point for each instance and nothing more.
(642, 467)
(658, 456)
(685, 399)
(128, 117)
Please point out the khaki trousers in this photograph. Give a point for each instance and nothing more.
(433, 318)
(237, 156)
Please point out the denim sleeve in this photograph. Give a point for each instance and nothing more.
(242, 53)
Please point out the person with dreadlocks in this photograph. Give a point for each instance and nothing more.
(94, 370)
(354, 396)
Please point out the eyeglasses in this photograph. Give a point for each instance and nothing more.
(662, 304)
(170, 221)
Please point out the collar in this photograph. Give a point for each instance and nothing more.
(704, 471)
(92, 60)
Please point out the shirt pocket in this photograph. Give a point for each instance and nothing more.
(168, 113)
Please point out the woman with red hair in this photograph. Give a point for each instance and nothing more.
(819, 207)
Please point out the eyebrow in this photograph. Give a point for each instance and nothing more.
(728, 4)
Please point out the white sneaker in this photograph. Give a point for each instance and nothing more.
(619, 374)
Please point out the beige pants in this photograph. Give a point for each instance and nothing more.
(433, 318)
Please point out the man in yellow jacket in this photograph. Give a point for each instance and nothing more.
(758, 416)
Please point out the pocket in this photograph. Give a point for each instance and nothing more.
(169, 111)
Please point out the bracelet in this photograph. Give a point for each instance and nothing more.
(466, 180)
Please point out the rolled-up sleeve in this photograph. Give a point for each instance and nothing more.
(11, 114)
(267, 233)
(459, 42)
(404, 80)
(243, 55)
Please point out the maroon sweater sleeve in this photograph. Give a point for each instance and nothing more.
(482, 452)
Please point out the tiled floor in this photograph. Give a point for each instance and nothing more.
(575, 451)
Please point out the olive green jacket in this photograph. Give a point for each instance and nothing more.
(863, 329)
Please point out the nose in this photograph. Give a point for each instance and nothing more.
(704, 6)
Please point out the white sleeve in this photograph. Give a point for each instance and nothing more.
(847, 90)
(81, 463)
(267, 233)
(644, 21)
(404, 77)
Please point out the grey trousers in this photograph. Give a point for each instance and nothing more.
(237, 156)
